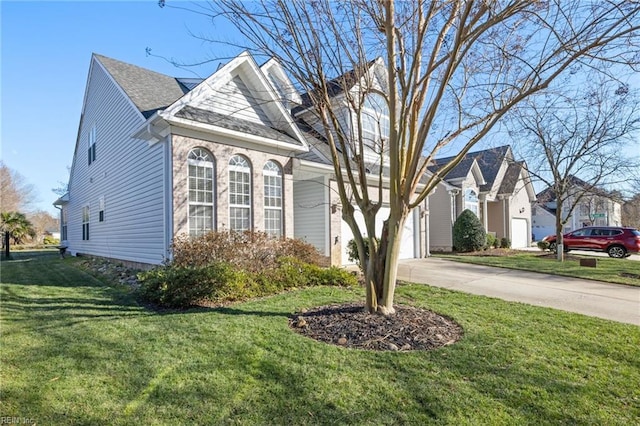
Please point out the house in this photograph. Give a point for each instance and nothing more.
(594, 206)
(158, 156)
(493, 185)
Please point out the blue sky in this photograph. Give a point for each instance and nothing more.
(46, 48)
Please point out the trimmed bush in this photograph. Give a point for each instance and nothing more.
(352, 250)
(181, 287)
(543, 245)
(468, 233)
(491, 241)
(505, 242)
(249, 251)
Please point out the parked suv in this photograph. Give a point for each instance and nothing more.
(617, 242)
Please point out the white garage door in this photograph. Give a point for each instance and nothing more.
(519, 233)
(407, 246)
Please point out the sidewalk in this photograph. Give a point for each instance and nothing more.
(609, 301)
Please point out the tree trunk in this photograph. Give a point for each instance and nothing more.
(382, 268)
(559, 237)
(7, 253)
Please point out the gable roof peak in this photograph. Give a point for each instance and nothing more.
(148, 90)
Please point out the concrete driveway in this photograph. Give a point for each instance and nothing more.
(610, 301)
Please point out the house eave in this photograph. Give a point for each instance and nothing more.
(63, 200)
(232, 134)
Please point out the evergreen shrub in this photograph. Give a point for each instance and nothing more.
(468, 232)
(207, 269)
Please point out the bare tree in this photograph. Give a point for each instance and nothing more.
(42, 221)
(447, 72)
(631, 212)
(15, 193)
(574, 143)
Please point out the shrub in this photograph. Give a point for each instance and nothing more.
(180, 287)
(543, 245)
(468, 233)
(352, 250)
(491, 241)
(249, 251)
(50, 241)
(293, 273)
(505, 242)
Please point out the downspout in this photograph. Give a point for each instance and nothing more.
(167, 182)
(454, 216)
(506, 217)
(427, 227)
(485, 219)
(59, 216)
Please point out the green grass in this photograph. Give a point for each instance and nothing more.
(607, 270)
(76, 351)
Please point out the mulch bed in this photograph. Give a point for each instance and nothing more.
(349, 325)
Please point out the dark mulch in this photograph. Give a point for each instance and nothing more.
(350, 326)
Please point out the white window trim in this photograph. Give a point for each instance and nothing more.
(241, 169)
(276, 173)
(204, 164)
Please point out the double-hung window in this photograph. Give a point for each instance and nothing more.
(272, 199)
(374, 117)
(91, 153)
(201, 184)
(63, 214)
(239, 194)
(85, 223)
(101, 209)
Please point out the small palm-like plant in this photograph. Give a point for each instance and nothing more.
(16, 227)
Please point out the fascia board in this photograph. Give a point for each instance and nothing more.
(477, 173)
(222, 76)
(240, 136)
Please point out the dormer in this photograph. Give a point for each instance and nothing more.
(357, 100)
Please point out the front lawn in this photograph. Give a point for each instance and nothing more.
(76, 351)
(618, 271)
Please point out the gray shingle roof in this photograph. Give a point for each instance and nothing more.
(232, 123)
(489, 161)
(510, 178)
(148, 90)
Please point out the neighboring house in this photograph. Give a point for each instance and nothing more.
(158, 156)
(595, 207)
(493, 185)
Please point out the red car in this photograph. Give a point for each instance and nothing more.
(618, 242)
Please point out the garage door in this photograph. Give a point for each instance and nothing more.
(519, 233)
(407, 246)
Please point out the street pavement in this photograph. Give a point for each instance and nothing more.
(610, 301)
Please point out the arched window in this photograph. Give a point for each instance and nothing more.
(471, 201)
(239, 194)
(201, 185)
(272, 199)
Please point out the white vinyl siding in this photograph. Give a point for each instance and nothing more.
(128, 172)
(236, 100)
(310, 212)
